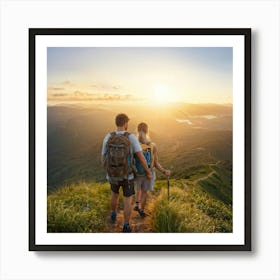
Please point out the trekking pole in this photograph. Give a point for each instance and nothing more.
(168, 188)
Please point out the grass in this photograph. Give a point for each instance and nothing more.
(78, 208)
(189, 210)
(192, 207)
(219, 185)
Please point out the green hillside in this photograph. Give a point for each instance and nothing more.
(193, 205)
(75, 136)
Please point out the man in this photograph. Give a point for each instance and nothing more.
(117, 158)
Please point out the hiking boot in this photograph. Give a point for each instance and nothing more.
(136, 208)
(142, 213)
(126, 228)
(113, 217)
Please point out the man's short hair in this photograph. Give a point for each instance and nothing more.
(121, 119)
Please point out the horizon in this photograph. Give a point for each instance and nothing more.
(117, 103)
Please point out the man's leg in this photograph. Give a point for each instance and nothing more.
(114, 201)
(127, 208)
(128, 192)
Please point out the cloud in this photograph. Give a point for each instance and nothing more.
(105, 87)
(59, 94)
(56, 88)
(67, 82)
(84, 96)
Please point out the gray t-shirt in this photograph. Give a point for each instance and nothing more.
(135, 146)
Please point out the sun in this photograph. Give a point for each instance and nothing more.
(161, 94)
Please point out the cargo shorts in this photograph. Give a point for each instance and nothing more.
(127, 186)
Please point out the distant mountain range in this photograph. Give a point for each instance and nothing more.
(186, 135)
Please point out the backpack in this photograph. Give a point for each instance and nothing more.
(147, 150)
(118, 157)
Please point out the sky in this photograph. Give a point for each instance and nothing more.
(155, 75)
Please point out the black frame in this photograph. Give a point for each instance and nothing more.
(246, 32)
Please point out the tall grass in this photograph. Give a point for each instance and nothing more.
(168, 217)
(78, 208)
(192, 208)
(189, 210)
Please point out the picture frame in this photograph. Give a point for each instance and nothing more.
(239, 39)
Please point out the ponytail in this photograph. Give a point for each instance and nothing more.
(143, 136)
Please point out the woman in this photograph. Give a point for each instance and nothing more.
(143, 184)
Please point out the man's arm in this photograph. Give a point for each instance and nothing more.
(144, 164)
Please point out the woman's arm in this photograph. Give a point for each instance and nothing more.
(158, 165)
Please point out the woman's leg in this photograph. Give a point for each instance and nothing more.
(143, 199)
(138, 193)
(148, 185)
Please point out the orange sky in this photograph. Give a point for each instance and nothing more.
(154, 75)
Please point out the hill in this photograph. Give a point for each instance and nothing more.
(186, 135)
(193, 205)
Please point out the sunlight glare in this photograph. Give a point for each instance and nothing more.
(161, 94)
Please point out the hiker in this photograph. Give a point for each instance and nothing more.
(118, 152)
(144, 184)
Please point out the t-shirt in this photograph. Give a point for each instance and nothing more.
(135, 146)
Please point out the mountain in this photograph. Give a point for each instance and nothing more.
(187, 135)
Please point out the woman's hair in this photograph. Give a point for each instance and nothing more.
(143, 136)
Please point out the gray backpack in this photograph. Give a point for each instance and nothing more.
(118, 157)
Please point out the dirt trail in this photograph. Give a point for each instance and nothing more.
(204, 178)
(137, 223)
(208, 175)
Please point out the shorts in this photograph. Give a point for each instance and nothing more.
(127, 186)
(145, 184)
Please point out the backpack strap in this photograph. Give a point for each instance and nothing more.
(126, 134)
(152, 154)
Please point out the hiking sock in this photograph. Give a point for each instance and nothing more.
(142, 212)
(136, 207)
